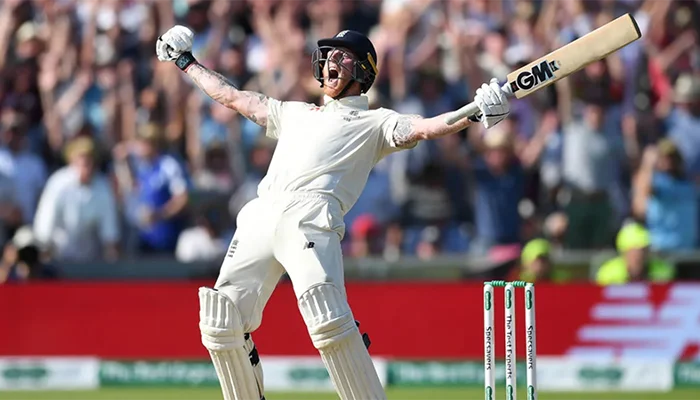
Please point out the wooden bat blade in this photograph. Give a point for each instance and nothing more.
(563, 62)
(574, 56)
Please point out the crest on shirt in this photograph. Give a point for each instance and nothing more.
(352, 115)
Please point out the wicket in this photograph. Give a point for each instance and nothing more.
(510, 335)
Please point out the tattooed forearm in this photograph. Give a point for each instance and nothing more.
(213, 84)
(412, 128)
(405, 132)
(251, 105)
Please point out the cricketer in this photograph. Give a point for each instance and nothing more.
(320, 166)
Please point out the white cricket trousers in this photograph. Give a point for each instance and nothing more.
(300, 231)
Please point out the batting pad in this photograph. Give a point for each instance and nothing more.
(334, 333)
(222, 334)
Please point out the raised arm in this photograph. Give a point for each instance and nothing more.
(175, 45)
(642, 183)
(251, 105)
(493, 108)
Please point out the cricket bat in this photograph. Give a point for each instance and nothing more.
(563, 62)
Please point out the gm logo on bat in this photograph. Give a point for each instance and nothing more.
(538, 74)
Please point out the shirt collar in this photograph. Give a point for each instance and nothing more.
(359, 102)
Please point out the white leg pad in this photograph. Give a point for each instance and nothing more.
(334, 333)
(222, 334)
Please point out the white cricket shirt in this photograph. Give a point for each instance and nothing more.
(329, 149)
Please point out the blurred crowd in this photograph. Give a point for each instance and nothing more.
(105, 153)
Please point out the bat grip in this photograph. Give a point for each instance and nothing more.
(464, 112)
(471, 108)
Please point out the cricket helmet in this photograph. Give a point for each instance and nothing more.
(365, 66)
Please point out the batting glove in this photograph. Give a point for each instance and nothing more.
(492, 102)
(173, 43)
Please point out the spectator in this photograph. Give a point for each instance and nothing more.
(202, 242)
(12, 158)
(555, 227)
(683, 123)
(429, 245)
(159, 192)
(365, 235)
(217, 172)
(26, 169)
(492, 61)
(634, 262)
(392, 242)
(589, 158)
(428, 201)
(77, 215)
(10, 214)
(22, 261)
(500, 180)
(88, 68)
(24, 97)
(536, 265)
(260, 157)
(377, 202)
(666, 199)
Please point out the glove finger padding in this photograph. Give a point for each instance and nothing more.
(174, 42)
(164, 51)
(180, 42)
(498, 91)
(179, 38)
(484, 101)
(490, 96)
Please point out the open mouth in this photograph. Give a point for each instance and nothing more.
(333, 72)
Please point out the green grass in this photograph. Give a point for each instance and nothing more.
(393, 394)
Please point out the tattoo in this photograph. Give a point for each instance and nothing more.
(212, 83)
(251, 105)
(255, 102)
(404, 133)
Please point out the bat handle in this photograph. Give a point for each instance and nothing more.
(471, 108)
(464, 112)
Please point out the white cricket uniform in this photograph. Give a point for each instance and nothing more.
(319, 169)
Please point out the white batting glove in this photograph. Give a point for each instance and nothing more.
(174, 42)
(492, 103)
